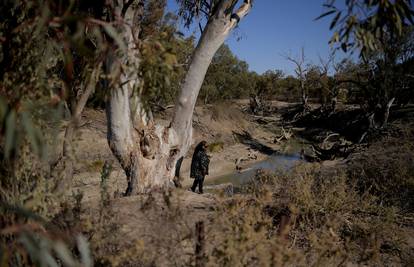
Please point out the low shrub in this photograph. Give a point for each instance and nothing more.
(386, 169)
(308, 217)
(216, 147)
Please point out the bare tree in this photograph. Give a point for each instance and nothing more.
(148, 152)
(331, 88)
(300, 70)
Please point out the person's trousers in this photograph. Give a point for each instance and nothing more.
(198, 182)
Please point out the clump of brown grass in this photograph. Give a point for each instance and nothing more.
(308, 217)
(95, 166)
(164, 237)
(334, 222)
(215, 147)
(241, 235)
(386, 169)
(225, 111)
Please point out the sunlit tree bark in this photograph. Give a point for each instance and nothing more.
(148, 152)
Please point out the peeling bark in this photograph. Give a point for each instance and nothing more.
(148, 153)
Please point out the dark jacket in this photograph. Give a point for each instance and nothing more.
(199, 164)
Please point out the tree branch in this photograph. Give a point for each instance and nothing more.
(216, 31)
(126, 6)
(241, 12)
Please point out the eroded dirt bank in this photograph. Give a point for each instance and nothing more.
(215, 124)
(159, 229)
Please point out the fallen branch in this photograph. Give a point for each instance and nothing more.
(337, 150)
(286, 135)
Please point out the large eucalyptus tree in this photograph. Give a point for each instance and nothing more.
(147, 151)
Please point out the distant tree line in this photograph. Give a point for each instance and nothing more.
(166, 55)
(382, 74)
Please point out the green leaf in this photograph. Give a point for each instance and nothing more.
(398, 23)
(10, 133)
(167, 81)
(336, 37)
(43, 19)
(326, 14)
(335, 20)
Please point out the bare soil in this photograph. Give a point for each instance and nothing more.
(213, 124)
(137, 228)
(134, 223)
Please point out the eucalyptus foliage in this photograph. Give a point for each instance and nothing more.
(365, 24)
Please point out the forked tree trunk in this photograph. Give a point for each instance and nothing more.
(384, 113)
(148, 152)
(373, 124)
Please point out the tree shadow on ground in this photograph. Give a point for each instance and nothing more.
(247, 139)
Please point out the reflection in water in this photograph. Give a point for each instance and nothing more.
(283, 160)
(274, 162)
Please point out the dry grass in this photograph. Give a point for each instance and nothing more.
(307, 218)
(215, 147)
(95, 166)
(358, 215)
(386, 169)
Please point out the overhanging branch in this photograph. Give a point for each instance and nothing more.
(241, 12)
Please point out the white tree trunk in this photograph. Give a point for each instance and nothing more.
(304, 95)
(148, 153)
(387, 113)
(215, 33)
(211, 40)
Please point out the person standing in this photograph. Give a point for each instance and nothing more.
(199, 166)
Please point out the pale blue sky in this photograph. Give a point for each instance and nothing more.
(276, 27)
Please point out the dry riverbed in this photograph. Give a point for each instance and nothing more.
(216, 125)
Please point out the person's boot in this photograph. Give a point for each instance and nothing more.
(193, 188)
(200, 187)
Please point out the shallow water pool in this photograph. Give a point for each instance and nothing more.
(284, 159)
